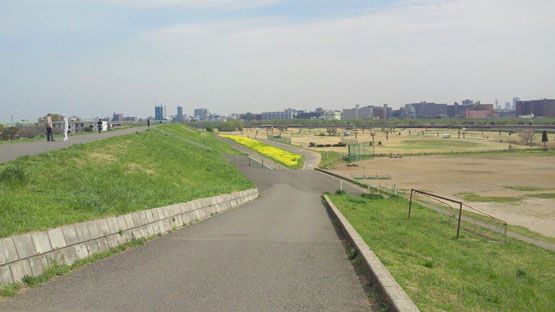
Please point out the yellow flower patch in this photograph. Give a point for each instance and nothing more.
(282, 156)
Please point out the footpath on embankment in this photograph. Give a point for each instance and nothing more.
(277, 253)
(12, 151)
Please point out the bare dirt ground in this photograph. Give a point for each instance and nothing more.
(484, 176)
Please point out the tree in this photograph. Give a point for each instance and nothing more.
(1, 128)
(544, 139)
(527, 136)
(55, 117)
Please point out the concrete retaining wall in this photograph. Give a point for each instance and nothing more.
(391, 292)
(32, 253)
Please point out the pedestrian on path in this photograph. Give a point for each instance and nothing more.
(66, 128)
(49, 135)
(99, 125)
(148, 122)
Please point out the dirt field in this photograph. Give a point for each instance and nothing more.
(405, 141)
(518, 190)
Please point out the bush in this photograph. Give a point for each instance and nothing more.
(209, 129)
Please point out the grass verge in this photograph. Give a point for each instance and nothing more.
(440, 272)
(60, 270)
(114, 176)
(472, 197)
(524, 188)
(286, 158)
(330, 160)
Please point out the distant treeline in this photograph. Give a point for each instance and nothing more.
(497, 123)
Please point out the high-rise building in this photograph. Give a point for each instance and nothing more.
(117, 117)
(201, 114)
(515, 99)
(538, 108)
(179, 115)
(358, 112)
(158, 112)
(428, 110)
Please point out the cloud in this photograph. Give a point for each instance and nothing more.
(195, 4)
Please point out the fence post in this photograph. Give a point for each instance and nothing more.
(395, 189)
(459, 223)
(340, 185)
(262, 163)
(410, 202)
(249, 161)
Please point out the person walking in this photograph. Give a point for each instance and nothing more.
(49, 135)
(148, 122)
(99, 125)
(66, 128)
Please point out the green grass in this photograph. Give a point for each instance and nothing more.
(330, 159)
(61, 269)
(436, 143)
(112, 177)
(542, 195)
(472, 197)
(440, 272)
(524, 188)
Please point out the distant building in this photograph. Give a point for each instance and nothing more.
(515, 99)
(201, 114)
(332, 115)
(158, 112)
(478, 111)
(131, 119)
(358, 112)
(427, 110)
(284, 115)
(250, 116)
(117, 117)
(179, 116)
(537, 108)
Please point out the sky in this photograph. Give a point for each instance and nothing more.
(95, 57)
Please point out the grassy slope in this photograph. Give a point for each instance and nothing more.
(441, 273)
(116, 176)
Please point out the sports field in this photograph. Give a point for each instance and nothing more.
(403, 141)
(517, 189)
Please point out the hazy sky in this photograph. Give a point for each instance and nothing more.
(95, 57)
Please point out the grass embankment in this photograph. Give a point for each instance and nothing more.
(162, 166)
(440, 272)
(282, 156)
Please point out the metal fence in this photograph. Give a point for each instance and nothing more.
(359, 151)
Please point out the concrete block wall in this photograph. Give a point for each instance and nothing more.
(32, 253)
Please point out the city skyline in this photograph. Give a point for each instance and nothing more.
(232, 56)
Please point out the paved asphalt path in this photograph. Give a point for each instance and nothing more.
(12, 151)
(277, 253)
